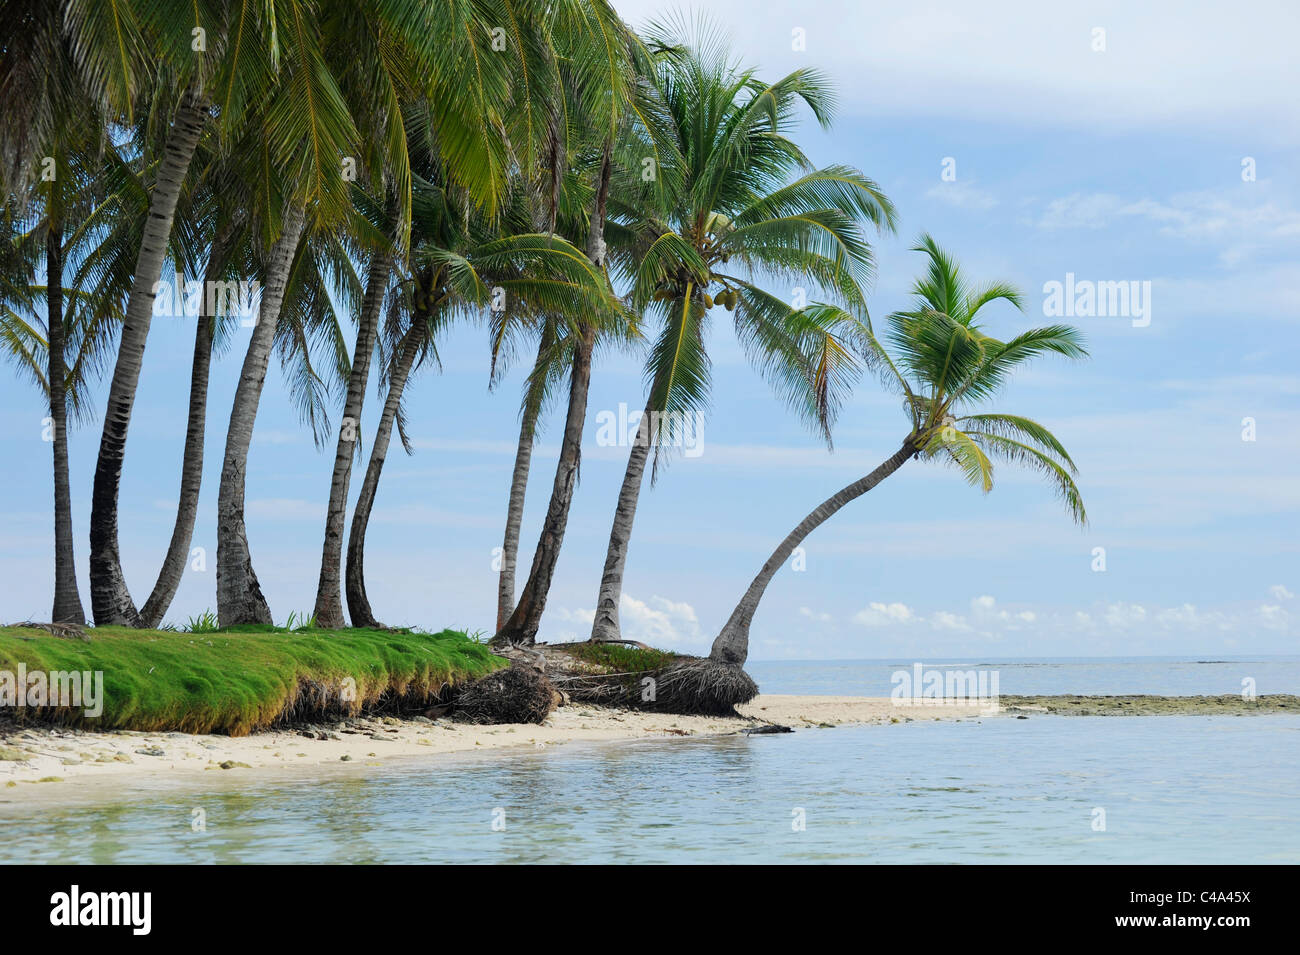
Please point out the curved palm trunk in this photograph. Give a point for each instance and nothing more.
(515, 508)
(187, 507)
(67, 601)
(239, 597)
(329, 604)
(109, 599)
(358, 603)
(527, 616)
(605, 626)
(732, 644)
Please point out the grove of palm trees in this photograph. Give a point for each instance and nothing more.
(381, 171)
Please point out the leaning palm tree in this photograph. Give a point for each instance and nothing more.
(746, 208)
(944, 366)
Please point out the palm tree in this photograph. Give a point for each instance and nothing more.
(457, 272)
(302, 265)
(745, 194)
(215, 228)
(207, 326)
(554, 358)
(329, 607)
(71, 69)
(944, 366)
(604, 64)
(66, 215)
(522, 624)
(117, 48)
(440, 57)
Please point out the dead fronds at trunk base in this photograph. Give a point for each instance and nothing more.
(521, 693)
(648, 680)
(65, 631)
(698, 685)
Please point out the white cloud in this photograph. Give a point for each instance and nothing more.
(1240, 224)
(942, 620)
(1163, 64)
(1124, 614)
(1280, 592)
(660, 622)
(880, 614)
(814, 615)
(963, 195)
(1099, 627)
(1185, 616)
(1274, 617)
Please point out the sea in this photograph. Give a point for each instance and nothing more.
(1047, 789)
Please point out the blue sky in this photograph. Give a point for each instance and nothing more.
(1122, 164)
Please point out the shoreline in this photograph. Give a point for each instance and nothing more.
(40, 764)
(60, 759)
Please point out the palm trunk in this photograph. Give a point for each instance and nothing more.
(515, 517)
(518, 489)
(329, 604)
(524, 622)
(605, 627)
(527, 616)
(732, 644)
(358, 603)
(109, 599)
(239, 597)
(187, 506)
(67, 601)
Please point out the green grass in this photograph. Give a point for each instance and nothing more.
(620, 657)
(243, 678)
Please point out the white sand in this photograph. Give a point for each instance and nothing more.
(56, 760)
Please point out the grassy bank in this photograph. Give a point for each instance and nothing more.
(618, 656)
(246, 678)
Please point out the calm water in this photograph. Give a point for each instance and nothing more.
(1173, 789)
(1172, 676)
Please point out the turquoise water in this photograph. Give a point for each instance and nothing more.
(1173, 789)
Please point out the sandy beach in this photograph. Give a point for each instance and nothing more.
(38, 760)
(39, 763)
